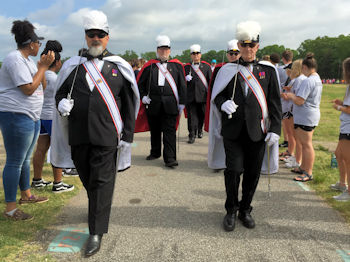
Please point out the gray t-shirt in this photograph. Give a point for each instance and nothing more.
(308, 114)
(15, 71)
(344, 117)
(49, 95)
(286, 104)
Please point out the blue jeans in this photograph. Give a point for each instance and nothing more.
(20, 134)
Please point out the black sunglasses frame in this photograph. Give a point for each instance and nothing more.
(98, 34)
(195, 53)
(233, 53)
(251, 45)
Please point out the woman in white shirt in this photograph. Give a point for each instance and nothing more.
(21, 98)
(343, 149)
(306, 114)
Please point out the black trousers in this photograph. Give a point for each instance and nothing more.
(166, 124)
(96, 166)
(242, 156)
(195, 117)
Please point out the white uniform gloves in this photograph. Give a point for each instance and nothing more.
(180, 107)
(65, 106)
(146, 100)
(123, 144)
(188, 78)
(271, 138)
(229, 107)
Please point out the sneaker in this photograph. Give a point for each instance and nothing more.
(41, 183)
(69, 172)
(338, 187)
(289, 159)
(18, 215)
(61, 187)
(33, 199)
(292, 164)
(284, 144)
(345, 196)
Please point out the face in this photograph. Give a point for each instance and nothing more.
(96, 39)
(248, 51)
(34, 48)
(232, 56)
(163, 53)
(196, 57)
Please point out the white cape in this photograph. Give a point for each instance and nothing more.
(60, 153)
(216, 151)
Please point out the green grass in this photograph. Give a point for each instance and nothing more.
(18, 239)
(325, 140)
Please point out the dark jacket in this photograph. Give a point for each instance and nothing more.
(249, 112)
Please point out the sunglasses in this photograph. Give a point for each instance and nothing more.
(98, 34)
(233, 53)
(195, 53)
(39, 43)
(251, 45)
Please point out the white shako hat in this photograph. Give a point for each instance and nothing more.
(163, 41)
(232, 45)
(96, 20)
(195, 48)
(248, 32)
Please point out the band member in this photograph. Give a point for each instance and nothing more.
(248, 108)
(216, 152)
(99, 94)
(163, 91)
(198, 75)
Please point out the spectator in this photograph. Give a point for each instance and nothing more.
(21, 99)
(46, 123)
(307, 114)
(343, 149)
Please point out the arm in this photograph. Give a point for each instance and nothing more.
(143, 81)
(127, 112)
(274, 104)
(295, 99)
(181, 85)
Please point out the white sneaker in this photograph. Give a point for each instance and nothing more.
(292, 164)
(345, 196)
(338, 187)
(289, 159)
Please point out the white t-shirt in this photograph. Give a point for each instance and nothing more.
(344, 117)
(16, 71)
(308, 114)
(49, 95)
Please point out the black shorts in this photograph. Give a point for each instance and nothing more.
(287, 115)
(344, 136)
(305, 128)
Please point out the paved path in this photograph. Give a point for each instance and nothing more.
(162, 214)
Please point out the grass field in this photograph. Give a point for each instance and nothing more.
(17, 239)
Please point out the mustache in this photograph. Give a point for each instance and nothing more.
(96, 42)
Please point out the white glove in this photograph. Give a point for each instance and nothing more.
(123, 144)
(271, 138)
(180, 107)
(229, 107)
(146, 100)
(188, 78)
(65, 106)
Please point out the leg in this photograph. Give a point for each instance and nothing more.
(201, 115)
(289, 127)
(156, 135)
(81, 158)
(340, 155)
(169, 137)
(39, 156)
(298, 148)
(308, 153)
(191, 122)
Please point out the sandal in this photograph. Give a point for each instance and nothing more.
(285, 153)
(304, 177)
(297, 170)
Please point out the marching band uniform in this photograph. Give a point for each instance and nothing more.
(101, 119)
(256, 118)
(162, 88)
(198, 77)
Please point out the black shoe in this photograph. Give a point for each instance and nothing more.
(229, 222)
(93, 245)
(151, 157)
(191, 140)
(284, 144)
(172, 164)
(246, 218)
(200, 134)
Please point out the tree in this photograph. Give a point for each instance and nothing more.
(129, 55)
(148, 55)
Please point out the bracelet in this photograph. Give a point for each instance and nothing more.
(339, 107)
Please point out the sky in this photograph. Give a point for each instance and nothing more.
(134, 24)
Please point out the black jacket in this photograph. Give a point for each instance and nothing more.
(249, 112)
(89, 120)
(196, 91)
(162, 97)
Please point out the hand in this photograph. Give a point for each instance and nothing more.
(65, 106)
(284, 96)
(47, 60)
(180, 108)
(287, 88)
(229, 107)
(188, 78)
(271, 138)
(123, 144)
(146, 100)
(337, 102)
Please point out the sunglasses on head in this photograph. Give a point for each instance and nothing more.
(233, 53)
(99, 34)
(251, 45)
(195, 53)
